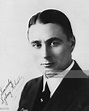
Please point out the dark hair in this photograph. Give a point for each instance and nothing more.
(53, 16)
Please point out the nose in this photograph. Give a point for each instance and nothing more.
(45, 53)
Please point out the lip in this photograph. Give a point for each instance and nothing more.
(48, 65)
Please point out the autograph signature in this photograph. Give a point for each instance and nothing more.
(8, 90)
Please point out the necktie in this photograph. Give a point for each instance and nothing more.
(45, 96)
(42, 99)
(46, 93)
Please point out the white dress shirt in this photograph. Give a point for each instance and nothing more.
(55, 81)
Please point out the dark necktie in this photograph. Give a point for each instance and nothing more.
(46, 94)
(42, 99)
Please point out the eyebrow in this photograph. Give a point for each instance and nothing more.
(35, 41)
(49, 40)
(54, 39)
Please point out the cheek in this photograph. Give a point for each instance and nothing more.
(59, 52)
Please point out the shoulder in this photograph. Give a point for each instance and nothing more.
(34, 80)
(32, 83)
(29, 91)
(76, 72)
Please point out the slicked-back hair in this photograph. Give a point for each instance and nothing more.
(55, 17)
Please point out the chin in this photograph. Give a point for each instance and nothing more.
(46, 70)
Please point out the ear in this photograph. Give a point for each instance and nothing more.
(72, 42)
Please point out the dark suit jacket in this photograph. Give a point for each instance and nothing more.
(71, 95)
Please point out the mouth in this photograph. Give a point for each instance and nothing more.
(47, 65)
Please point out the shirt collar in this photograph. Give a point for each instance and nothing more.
(60, 75)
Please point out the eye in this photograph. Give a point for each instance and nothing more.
(36, 45)
(54, 44)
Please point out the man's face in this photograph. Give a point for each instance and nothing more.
(49, 47)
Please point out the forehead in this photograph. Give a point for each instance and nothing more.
(46, 31)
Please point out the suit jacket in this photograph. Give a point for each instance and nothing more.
(71, 95)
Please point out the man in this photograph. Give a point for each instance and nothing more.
(63, 85)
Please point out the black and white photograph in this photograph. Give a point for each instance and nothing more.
(44, 55)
